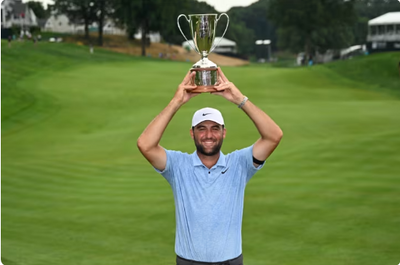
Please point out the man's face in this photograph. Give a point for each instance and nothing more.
(208, 137)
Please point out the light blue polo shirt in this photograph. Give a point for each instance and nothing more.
(209, 203)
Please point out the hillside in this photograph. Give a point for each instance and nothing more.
(378, 72)
(169, 52)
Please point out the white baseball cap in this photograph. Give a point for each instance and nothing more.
(207, 114)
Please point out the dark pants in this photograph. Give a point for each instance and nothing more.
(235, 261)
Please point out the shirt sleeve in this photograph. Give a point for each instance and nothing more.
(172, 159)
(246, 155)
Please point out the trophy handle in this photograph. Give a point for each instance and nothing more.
(179, 26)
(227, 24)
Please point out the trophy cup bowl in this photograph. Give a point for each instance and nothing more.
(202, 27)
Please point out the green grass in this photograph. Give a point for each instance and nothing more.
(75, 189)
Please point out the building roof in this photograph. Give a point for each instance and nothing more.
(42, 22)
(18, 7)
(386, 19)
(224, 42)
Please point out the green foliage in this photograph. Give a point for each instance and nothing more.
(34, 29)
(360, 30)
(314, 25)
(373, 8)
(252, 24)
(16, 30)
(78, 11)
(38, 9)
(145, 15)
(124, 15)
(243, 37)
(86, 12)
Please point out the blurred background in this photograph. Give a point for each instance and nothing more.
(259, 30)
(81, 79)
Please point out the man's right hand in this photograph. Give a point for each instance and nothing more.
(183, 94)
(149, 141)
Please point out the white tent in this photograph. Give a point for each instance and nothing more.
(224, 45)
(352, 49)
(386, 19)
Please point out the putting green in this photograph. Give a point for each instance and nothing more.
(75, 189)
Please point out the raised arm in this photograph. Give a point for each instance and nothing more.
(148, 142)
(269, 131)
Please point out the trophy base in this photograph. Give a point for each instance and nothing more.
(205, 79)
(203, 89)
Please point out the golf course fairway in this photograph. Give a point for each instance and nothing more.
(76, 190)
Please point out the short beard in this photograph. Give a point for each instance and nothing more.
(201, 150)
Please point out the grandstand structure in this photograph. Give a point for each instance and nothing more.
(384, 33)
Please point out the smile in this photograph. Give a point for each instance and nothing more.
(208, 142)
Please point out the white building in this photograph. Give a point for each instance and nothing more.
(62, 24)
(153, 36)
(16, 13)
(111, 29)
(384, 32)
(223, 45)
(59, 23)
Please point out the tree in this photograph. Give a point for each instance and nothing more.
(374, 8)
(149, 15)
(313, 25)
(101, 10)
(139, 14)
(249, 24)
(168, 26)
(123, 15)
(158, 15)
(77, 11)
(241, 34)
(38, 9)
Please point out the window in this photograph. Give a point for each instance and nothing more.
(397, 28)
(381, 29)
(390, 29)
(373, 30)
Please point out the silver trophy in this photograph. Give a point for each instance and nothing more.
(202, 27)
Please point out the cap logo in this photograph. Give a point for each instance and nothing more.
(207, 114)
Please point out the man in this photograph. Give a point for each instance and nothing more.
(208, 186)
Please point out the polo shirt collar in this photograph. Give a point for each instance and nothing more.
(197, 162)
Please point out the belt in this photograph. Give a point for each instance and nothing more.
(235, 261)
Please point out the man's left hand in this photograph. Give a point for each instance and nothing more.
(227, 89)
